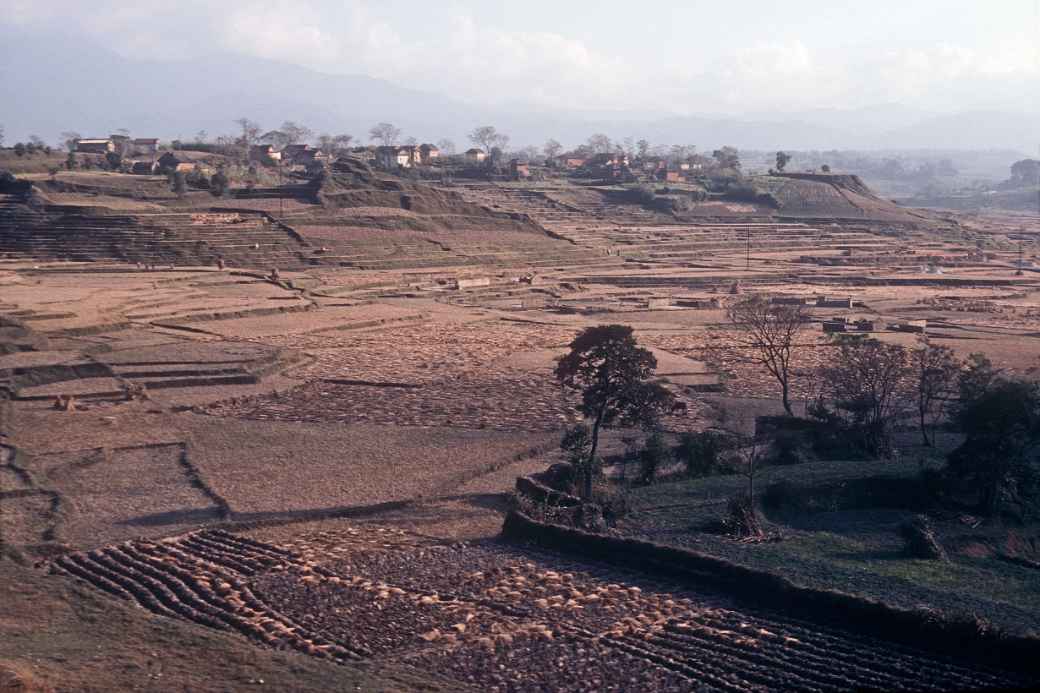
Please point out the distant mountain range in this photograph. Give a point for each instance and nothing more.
(53, 84)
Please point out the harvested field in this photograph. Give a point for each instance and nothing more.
(497, 617)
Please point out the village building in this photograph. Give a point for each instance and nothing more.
(519, 169)
(475, 155)
(143, 146)
(572, 161)
(298, 153)
(95, 146)
(263, 153)
(393, 156)
(367, 154)
(427, 153)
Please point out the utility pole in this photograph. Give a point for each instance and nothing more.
(747, 251)
(281, 194)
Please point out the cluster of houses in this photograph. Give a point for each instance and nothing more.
(142, 156)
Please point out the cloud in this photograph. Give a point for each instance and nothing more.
(450, 51)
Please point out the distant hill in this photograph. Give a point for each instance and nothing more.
(52, 83)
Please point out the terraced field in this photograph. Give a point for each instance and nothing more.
(496, 617)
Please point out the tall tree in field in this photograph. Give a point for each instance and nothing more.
(487, 138)
(781, 160)
(69, 140)
(385, 133)
(936, 370)
(770, 331)
(612, 372)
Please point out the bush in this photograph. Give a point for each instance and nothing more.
(652, 457)
(644, 194)
(701, 453)
(920, 539)
(790, 448)
(742, 518)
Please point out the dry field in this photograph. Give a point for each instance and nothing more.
(363, 385)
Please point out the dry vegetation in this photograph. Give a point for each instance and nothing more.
(362, 383)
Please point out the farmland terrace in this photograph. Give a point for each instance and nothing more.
(303, 474)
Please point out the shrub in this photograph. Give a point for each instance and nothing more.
(652, 457)
(790, 448)
(920, 539)
(644, 194)
(742, 518)
(701, 453)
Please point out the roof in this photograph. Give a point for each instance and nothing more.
(296, 147)
(429, 147)
(146, 140)
(474, 150)
(96, 140)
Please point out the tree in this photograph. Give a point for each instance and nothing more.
(643, 148)
(936, 370)
(70, 161)
(781, 160)
(114, 160)
(487, 138)
(599, 144)
(201, 136)
(178, 183)
(446, 146)
(1001, 450)
(825, 168)
(69, 139)
(770, 331)
(19, 149)
(218, 184)
(552, 149)
(612, 372)
(250, 131)
(385, 133)
(296, 133)
(1, 136)
(727, 157)
(341, 142)
(864, 390)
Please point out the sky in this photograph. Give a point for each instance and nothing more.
(669, 57)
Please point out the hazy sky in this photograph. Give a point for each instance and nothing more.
(667, 56)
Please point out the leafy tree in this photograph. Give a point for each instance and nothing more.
(552, 148)
(770, 332)
(219, 183)
(864, 390)
(70, 161)
(612, 372)
(935, 370)
(385, 133)
(654, 455)
(781, 160)
(825, 168)
(1001, 450)
(727, 158)
(1, 136)
(643, 148)
(114, 160)
(19, 149)
(488, 138)
(178, 183)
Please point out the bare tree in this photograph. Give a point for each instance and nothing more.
(864, 390)
(296, 133)
(69, 139)
(342, 141)
(770, 331)
(487, 138)
(599, 144)
(935, 370)
(201, 136)
(1, 135)
(385, 133)
(446, 146)
(643, 148)
(552, 149)
(250, 131)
